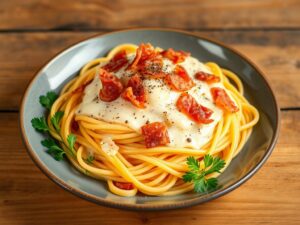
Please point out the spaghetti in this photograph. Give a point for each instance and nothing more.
(118, 152)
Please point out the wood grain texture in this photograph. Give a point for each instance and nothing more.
(188, 14)
(270, 197)
(277, 54)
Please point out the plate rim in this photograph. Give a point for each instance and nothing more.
(144, 207)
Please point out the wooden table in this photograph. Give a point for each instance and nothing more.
(33, 31)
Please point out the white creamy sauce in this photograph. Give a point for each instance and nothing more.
(161, 107)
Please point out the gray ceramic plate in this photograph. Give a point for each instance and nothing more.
(66, 65)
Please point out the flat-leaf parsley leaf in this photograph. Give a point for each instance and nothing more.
(56, 119)
(71, 141)
(197, 175)
(48, 99)
(48, 142)
(40, 124)
(53, 149)
(56, 152)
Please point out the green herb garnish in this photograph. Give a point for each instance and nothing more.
(48, 142)
(40, 124)
(48, 99)
(197, 175)
(90, 159)
(56, 119)
(71, 141)
(53, 149)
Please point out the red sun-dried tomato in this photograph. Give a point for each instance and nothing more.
(117, 62)
(179, 80)
(196, 112)
(147, 62)
(156, 134)
(111, 86)
(143, 52)
(208, 78)
(123, 185)
(222, 100)
(135, 92)
(152, 68)
(175, 56)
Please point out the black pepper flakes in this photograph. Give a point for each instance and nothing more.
(126, 121)
(189, 140)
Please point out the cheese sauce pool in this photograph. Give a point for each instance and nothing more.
(160, 107)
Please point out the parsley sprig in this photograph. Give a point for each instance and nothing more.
(56, 119)
(53, 149)
(40, 124)
(71, 141)
(197, 175)
(48, 99)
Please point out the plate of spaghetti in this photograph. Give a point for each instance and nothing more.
(149, 119)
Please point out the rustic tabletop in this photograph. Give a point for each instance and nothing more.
(33, 31)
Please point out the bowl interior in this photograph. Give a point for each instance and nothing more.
(67, 64)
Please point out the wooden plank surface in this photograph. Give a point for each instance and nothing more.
(270, 197)
(277, 54)
(188, 14)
